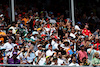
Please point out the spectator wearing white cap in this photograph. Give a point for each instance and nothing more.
(49, 52)
(39, 49)
(34, 35)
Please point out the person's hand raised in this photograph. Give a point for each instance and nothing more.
(22, 49)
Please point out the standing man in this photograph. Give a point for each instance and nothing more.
(82, 53)
(9, 46)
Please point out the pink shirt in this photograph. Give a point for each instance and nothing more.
(82, 54)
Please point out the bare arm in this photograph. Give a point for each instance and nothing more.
(39, 58)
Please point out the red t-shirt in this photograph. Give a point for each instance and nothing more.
(97, 48)
(86, 32)
(1, 60)
(48, 25)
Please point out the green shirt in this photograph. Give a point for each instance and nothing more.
(90, 56)
(95, 61)
(27, 39)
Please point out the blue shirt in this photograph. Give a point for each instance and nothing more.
(71, 52)
(31, 57)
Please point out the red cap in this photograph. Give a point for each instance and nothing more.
(58, 13)
(50, 45)
(58, 18)
(43, 35)
(55, 37)
(20, 15)
(65, 20)
(23, 12)
(47, 19)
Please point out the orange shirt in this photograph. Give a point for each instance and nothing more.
(25, 19)
(67, 50)
(1, 38)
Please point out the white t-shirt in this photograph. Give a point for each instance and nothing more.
(47, 29)
(72, 64)
(72, 35)
(52, 21)
(53, 42)
(77, 27)
(36, 53)
(42, 61)
(63, 46)
(20, 55)
(8, 46)
(56, 45)
(60, 61)
(34, 38)
(49, 53)
(52, 29)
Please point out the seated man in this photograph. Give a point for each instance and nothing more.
(14, 59)
(73, 58)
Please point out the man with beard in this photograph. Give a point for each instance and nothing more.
(73, 58)
(60, 60)
(82, 53)
(71, 51)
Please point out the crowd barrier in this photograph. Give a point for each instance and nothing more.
(29, 65)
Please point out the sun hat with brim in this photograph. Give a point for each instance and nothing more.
(35, 32)
(65, 41)
(39, 45)
(2, 48)
(37, 20)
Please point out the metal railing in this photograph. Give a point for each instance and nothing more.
(30, 65)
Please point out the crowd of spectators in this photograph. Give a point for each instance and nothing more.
(41, 38)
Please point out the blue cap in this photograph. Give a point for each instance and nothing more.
(72, 45)
(82, 45)
(79, 23)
